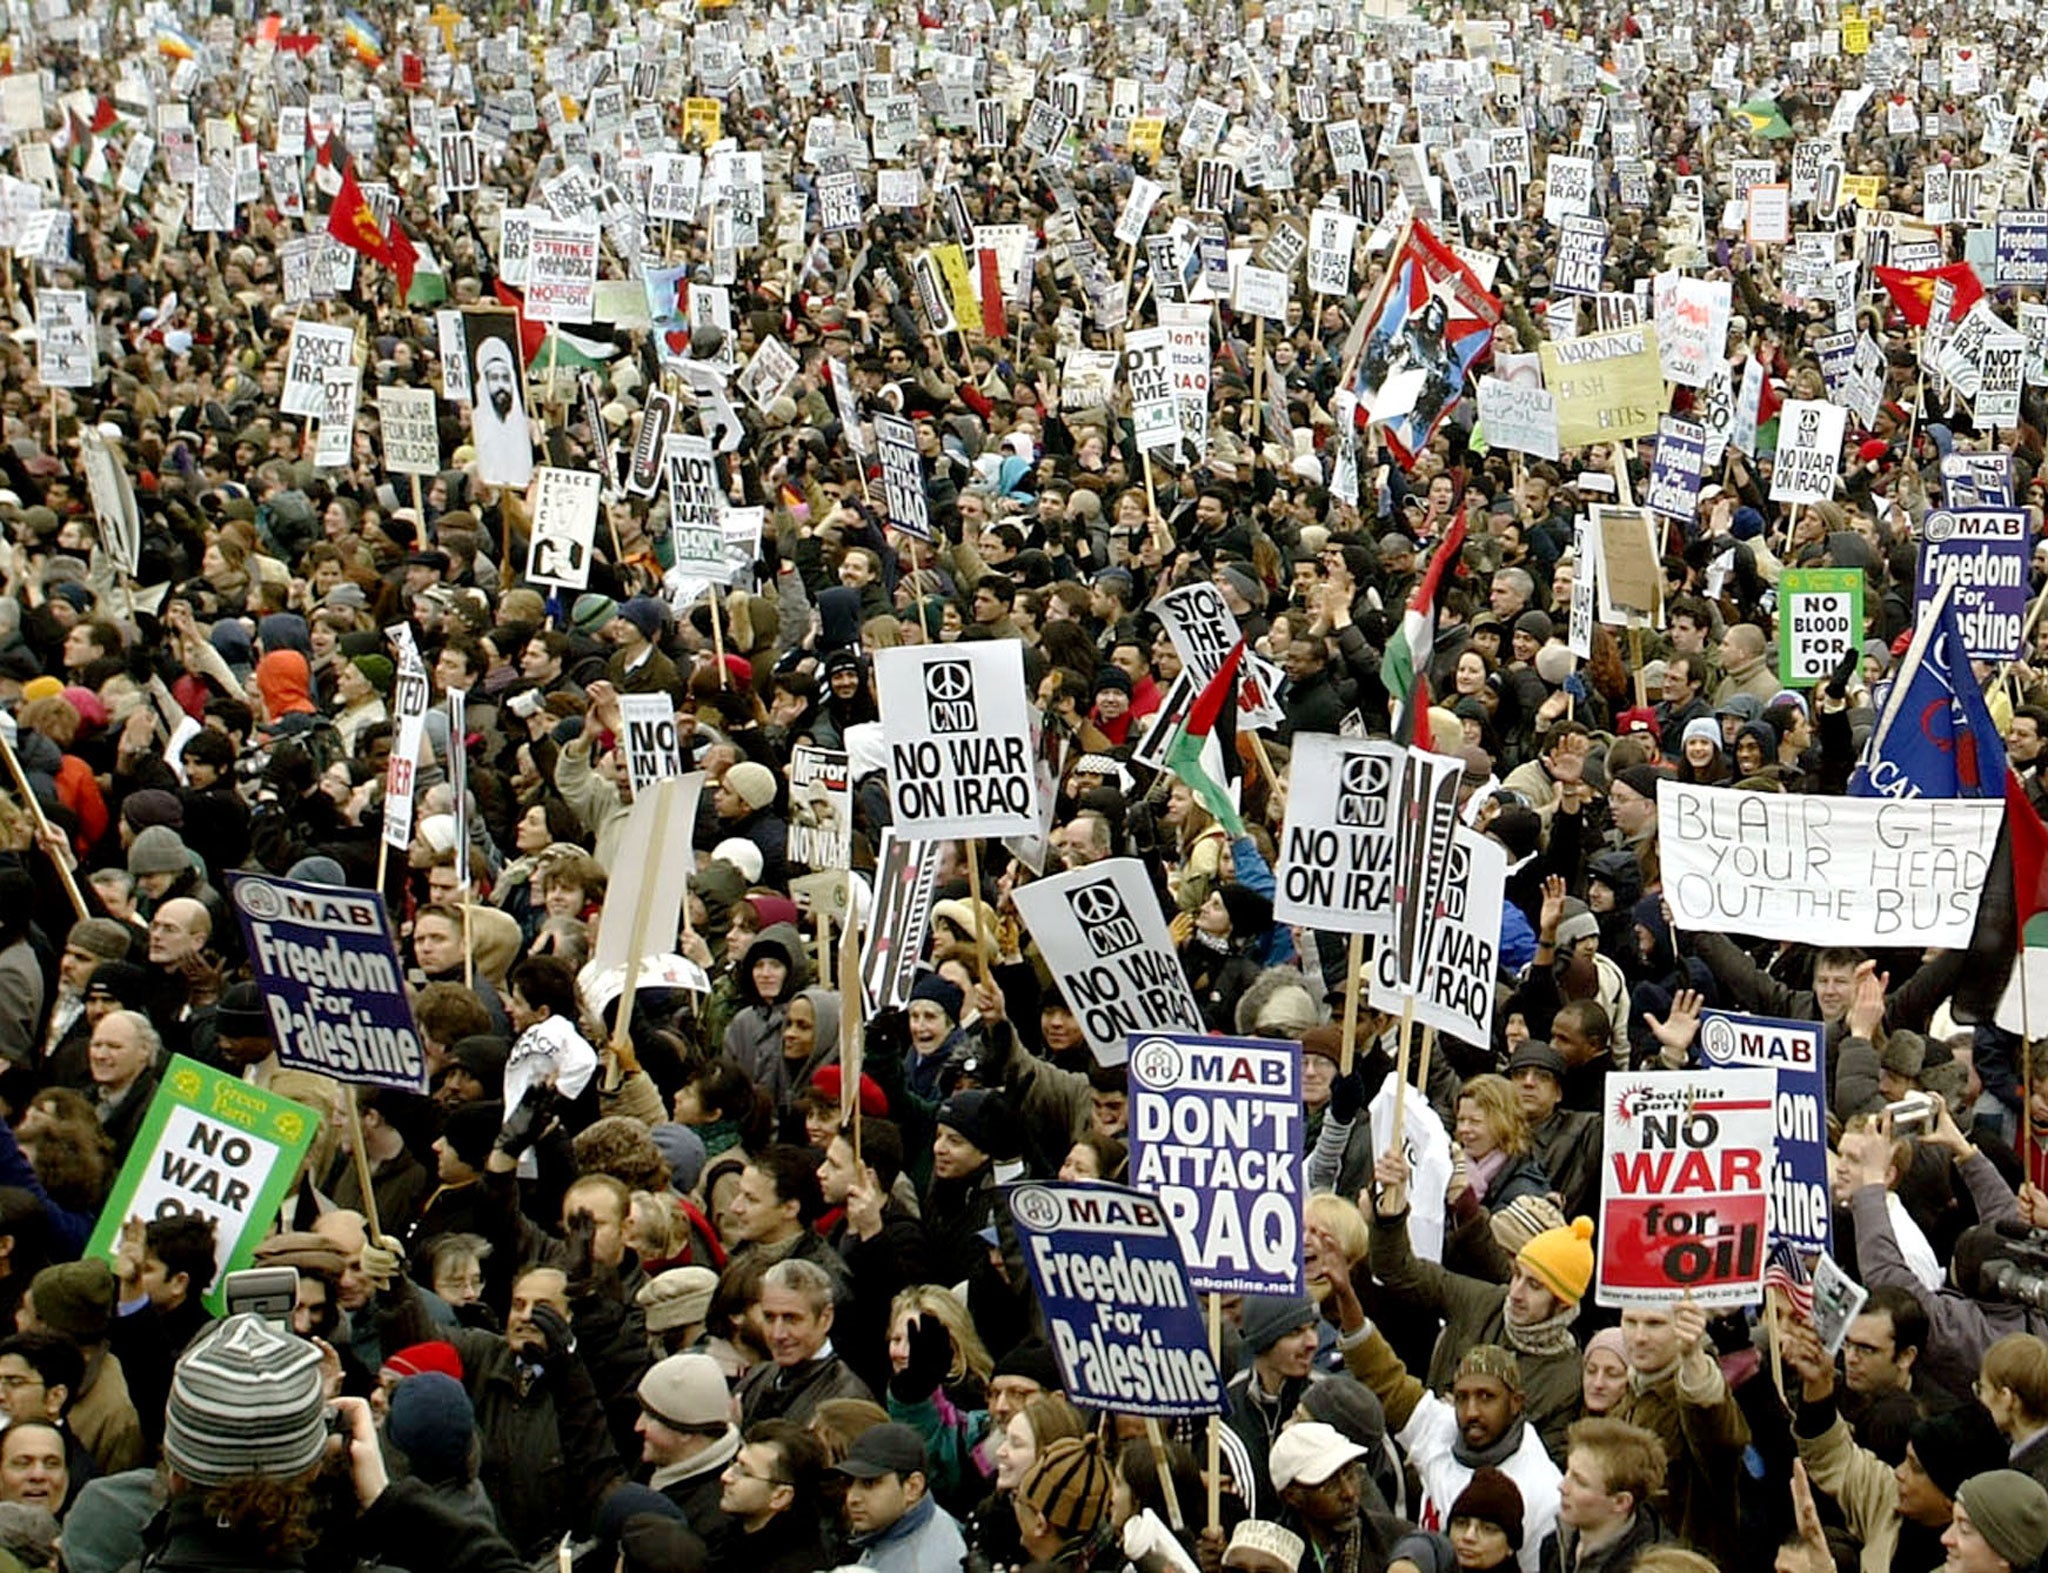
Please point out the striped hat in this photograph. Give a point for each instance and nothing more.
(246, 1400)
(1069, 1483)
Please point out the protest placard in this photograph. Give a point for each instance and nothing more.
(1120, 1313)
(1581, 257)
(1607, 385)
(653, 750)
(1631, 574)
(1809, 450)
(411, 693)
(1675, 469)
(330, 981)
(1427, 815)
(213, 1146)
(334, 433)
(1692, 326)
(1453, 983)
(695, 502)
(1802, 1207)
(2020, 247)
(561, 273)
(903, 490)
(1684, 1190)
(1518, 418)
(1585, 607)
(113, 499)
(1336, 864)
(313, 348)
(406, 423)
(906, 875)
(1820, 619)
(1863, 870)
(1216, 1135)
(1838, 1300)
(565, 506)
(1103, 936)
(1984, 553)
(820, 807)
(643, 908)
(67, 347)
(1204, 631)
(1155, 414)
(959, 727)
(1332, 237)
(1976, 480)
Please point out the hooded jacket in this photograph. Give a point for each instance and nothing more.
(754, 1036)
(782, 1078)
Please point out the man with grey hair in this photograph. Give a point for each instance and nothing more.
(1512, 591)
(123, 1058)
(794, 1318)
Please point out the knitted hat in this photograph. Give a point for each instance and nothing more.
(1350, 1406)
(1035, 1363)
(246, 1400)
(1256, 1543)
(1327, 1041)
(1580, 925)
(433, 1423)
(471, 1129)
(591, 612)
(753, 784)
(1070, 1484)
(1493, 1498)
(680, 1297)
(985, 1119)
(377, 671)
(1244, 582)
(158, 850)
(684, 1392)
(938, 991)
(2010, 1510)
(874, 1103)
(1536, 624)
(1705, 728)
(75, 1299)
(741, 854)
(644, 613)
(1270, 1318)
(419, 1359)
(1524, 1218)
(101, 937)
(241, 1013)
(152, 806)
(1491, 1360)
(1955, 1444)
(1642, 780)
(682, 1149)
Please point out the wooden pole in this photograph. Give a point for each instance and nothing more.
(980, 911)
(2026, 1070)
(824, 948)
(1157, 1438)
(1354, 983)
(1401, 1072)
(718, 636)
(35, 808)
(1635, 659)
(355, 1141)
(1422, 1070)
(1771, 1327)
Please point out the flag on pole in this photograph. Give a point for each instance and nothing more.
(351, 221)
(1429, 323)
(1935, 738)
(2029, 864)
(1913, 292)
(1785, 1272)
(1404, 669)
(1213, 715)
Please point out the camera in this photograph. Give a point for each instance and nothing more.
(268, 1292)
(2020, 1273)
(1914, 1112)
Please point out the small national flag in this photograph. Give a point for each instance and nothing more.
(401, 256)
(174, 43)
(1935, 737)
(1764, 118)
(1404, 669)
(1213, 714)
(1785, 1272)
(362, 38)
(2029, 864)
(1913, 293)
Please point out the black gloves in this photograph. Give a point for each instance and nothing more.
(931, 1358)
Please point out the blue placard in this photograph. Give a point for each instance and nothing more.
(1802, 1206)
(1985, 551)
(1976, 480)
(1216, 1127)
(1119, 1310)
(1676, 466)
(330, 979)
(2020, 247)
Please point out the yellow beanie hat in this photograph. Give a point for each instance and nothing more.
(1562, 1259)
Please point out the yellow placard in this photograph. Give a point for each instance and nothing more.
(1862, 190)
(703, 117)
(1855, 36)
(1147, 133)
(1607, 385)
(966, 303)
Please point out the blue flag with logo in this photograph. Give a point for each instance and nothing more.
(1935, 737)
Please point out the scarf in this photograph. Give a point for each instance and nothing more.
(1643, 1381)
(1480, 1173)
(1552, 1336)
(1504, 1448)
(719, 1136)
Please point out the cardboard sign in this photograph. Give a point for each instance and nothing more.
(1336, 865)
(213, 1145)
(1684, 1198)
(67, 345)
(312, 350)
(412, 439)
(410, 697)
(1453, 983)
(1608, 385)
(906, 875)
(561, 274)
(1631, 576)
(653, 750)
(1809, 451)
(565, 505)
(1518, 418)
(1216, 1128)
(330, 980)
(1155, 410)
(1676, 469)
(903, 476)
(1120, 1312)
(650, 876)
(820, 807)
(1820, 619)
(1984, 553)
(695, 502)
(113, 499)
(959, 726)
(1103, 936)
(1795, 1052)
(1863, 870)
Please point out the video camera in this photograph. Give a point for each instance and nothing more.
(2020, 1272)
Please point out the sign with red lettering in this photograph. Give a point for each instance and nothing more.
(1684, 1186)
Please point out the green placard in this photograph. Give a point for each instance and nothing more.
(214, 1145)
(1820, 619)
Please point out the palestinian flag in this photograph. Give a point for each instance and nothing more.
(1212, 717)
(1404, 668)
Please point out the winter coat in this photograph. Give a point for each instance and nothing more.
(753, 1038)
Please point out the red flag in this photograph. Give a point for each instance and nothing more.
(401, 256)
(1913, 293)
(994, 324)
(2029, 863)
(351, 222)
(532, 335)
